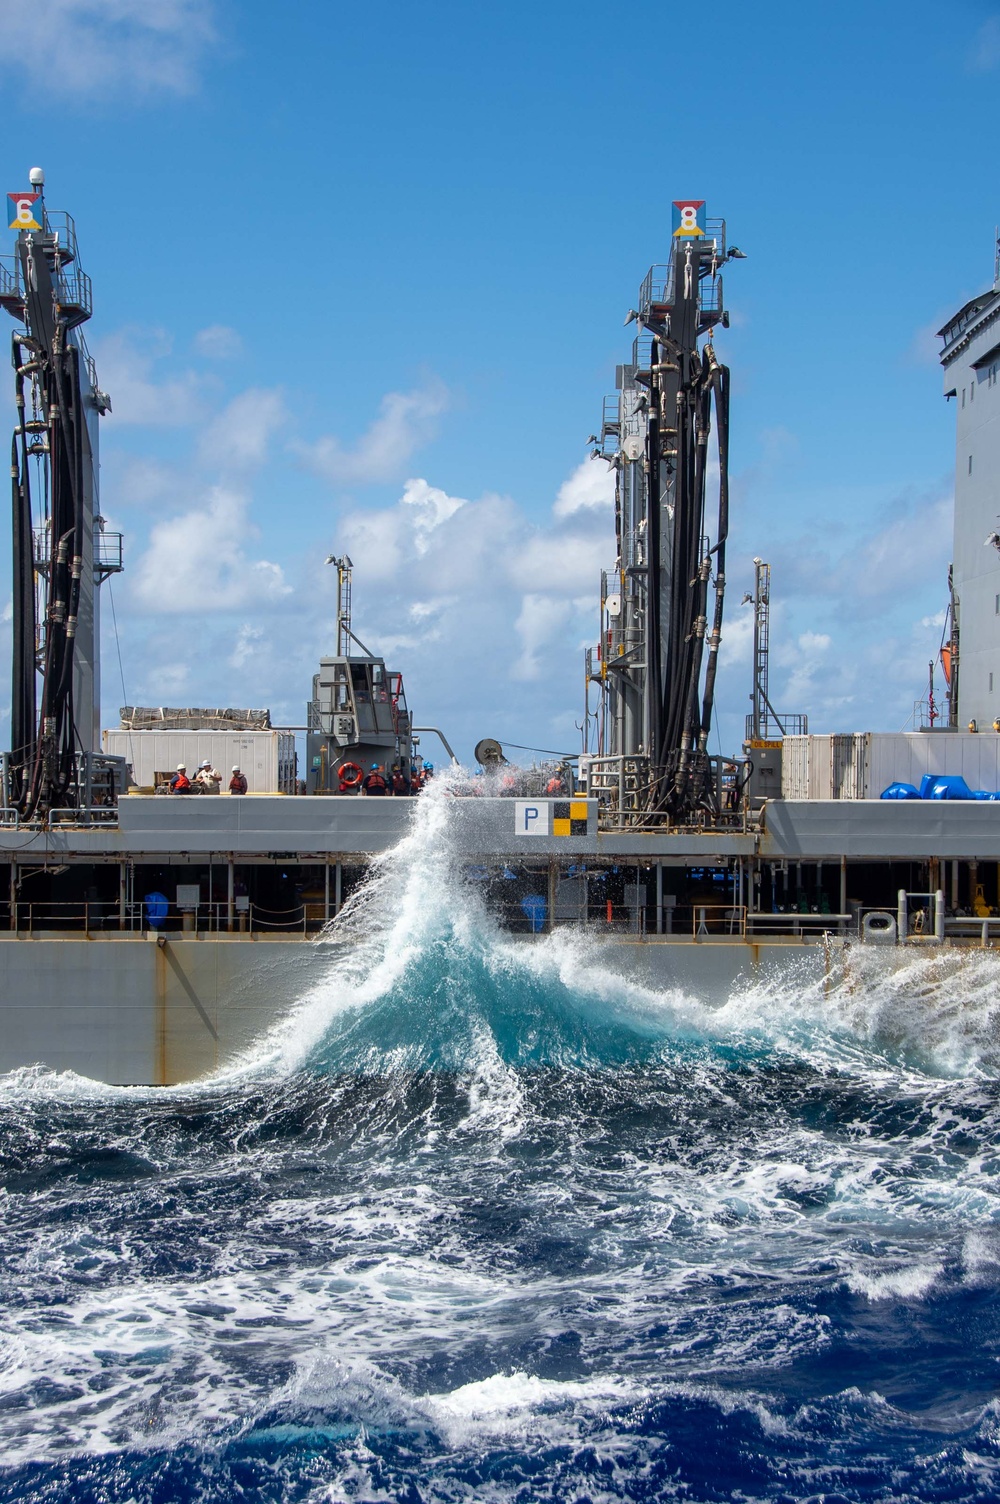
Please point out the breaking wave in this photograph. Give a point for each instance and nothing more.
(500, 1219)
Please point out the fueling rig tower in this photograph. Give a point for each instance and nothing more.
(661, 610)
(61, 552)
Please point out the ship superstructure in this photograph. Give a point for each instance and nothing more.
(970, 356)
(357, 716)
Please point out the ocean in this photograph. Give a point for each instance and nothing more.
(482, 1221)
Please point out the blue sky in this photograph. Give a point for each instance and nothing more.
(360, 276)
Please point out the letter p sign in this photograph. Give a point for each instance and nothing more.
(531, 818)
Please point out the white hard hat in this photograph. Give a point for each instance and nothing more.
(236, 767)
(205, 763)
(181, 767)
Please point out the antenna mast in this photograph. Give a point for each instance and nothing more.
(344, 568)
(759, 727)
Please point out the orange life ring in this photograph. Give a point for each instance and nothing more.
(349, 774)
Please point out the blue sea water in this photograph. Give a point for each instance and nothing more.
(481, 1220)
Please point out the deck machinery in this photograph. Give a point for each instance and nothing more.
(661, 609)
(61, 551)
(358, 714)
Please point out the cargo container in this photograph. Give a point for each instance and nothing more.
(267, 758)
(860, 765)
(822, 767)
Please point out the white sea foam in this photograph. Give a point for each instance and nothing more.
(911, 1283)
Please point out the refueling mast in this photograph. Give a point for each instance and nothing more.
(61, 551)
(661, 608)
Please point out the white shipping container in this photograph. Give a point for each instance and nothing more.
(860, 765)
(795, 761)
(267, 758)
(822, 767)
(907, 756)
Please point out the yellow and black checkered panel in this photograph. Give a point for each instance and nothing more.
(569, 817)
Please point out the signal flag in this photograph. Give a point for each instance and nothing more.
(22, 208)
(689, 217)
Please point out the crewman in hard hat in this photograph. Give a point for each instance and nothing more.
(375, 782)
(208, 778)
(180, 783)
(428, 774)
(238, 782)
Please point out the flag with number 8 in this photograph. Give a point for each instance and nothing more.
(689, 216)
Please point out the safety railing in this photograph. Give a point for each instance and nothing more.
(89, 917)
(10, 286)
(73, 287)
(973, 929)
(243, 918)
(610, 415)
(772, 727)
(622, 785)
(762, 926)
(27, 919)
(642, 351)
(657, 286)
(713, 921)
(94, 814)
(108, 552)
(76, 297)
(62, 227)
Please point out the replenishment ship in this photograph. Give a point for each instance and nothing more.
(147, 938)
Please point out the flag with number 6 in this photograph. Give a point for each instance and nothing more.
(22, 211)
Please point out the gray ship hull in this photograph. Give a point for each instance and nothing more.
(136, 1012)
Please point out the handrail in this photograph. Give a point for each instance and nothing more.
(99, 814)
(733, 915)
(90, 916)
(791, 916)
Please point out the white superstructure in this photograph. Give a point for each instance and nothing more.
(971, 360)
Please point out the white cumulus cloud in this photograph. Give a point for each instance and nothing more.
(431, 507)
(126, 362)
(218, 342)
(591, 486)
(196, 562)
(238, 437)
(93, 48)
(405, 422)
(540, 625)
(244, 651)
